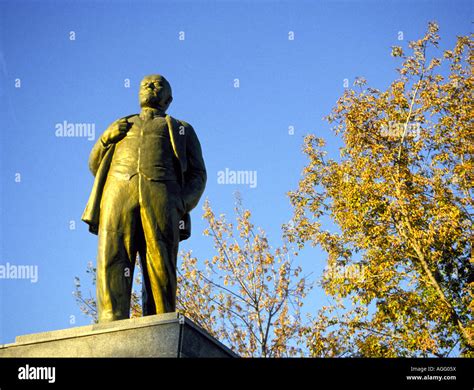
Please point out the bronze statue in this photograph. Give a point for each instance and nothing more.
(149, 174)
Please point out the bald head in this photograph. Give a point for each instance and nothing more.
(155, 92)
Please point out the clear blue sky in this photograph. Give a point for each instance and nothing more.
(282, 83)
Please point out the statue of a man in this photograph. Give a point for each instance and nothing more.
(149, 174)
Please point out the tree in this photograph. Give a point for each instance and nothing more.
(248, 295)
(399, 265)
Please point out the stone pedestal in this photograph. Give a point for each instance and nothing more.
(164, 335)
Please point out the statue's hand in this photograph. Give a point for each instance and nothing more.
(115, 132)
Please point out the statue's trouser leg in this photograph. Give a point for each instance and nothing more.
(161, 210)
(119, 218)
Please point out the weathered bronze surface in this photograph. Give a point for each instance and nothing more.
(149, 174)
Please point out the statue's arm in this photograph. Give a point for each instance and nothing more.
(195, 176)
(113, 134)
(97, 154)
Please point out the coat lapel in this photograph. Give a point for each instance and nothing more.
(178, 141)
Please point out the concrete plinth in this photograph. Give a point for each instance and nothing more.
(164, 335)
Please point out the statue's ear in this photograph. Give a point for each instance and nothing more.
(168, 102)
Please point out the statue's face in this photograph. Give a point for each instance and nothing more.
(155, 92)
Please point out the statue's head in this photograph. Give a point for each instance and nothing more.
(155, 92)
